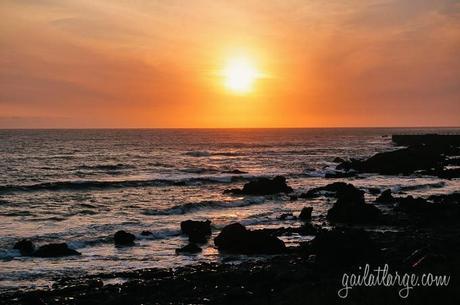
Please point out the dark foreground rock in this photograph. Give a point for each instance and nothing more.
(235, 238)
(25, 247)
(340, 248)
(263, 186)
(123, 238)
(197, 231)
(350, 207)
(55, 250)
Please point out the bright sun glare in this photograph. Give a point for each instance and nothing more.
(240, 74)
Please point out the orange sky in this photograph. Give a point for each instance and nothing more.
(157, 63)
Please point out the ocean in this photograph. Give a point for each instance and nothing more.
(81, 186)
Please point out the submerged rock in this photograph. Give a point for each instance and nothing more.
(305, 214)
(25, 247)
(55, 250)
(190, 249)
(123, 238)
(350, 207)
(263, 186)
(197, 231)
(146, 233)
(235, 238)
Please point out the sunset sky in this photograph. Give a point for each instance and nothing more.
(240, 63)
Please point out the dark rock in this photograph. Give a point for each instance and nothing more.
(190, 248)
(332, 189)
(146, 233)
(25, 246)
(426, 139)
(340, 248)
(263, 186)
(197, 231)
(402, 161)
(374, 190)
(305, 214)
(435, 209)
(55, 250)
(386, 197)
(350, 207)
(338, 160)
(293, 198)
(235, 238)
(123, 238)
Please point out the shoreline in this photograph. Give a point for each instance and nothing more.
(298, 277)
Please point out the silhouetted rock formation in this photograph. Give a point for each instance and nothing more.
(330, 189)
(427, 139)
(235, 238)
(25, 246)
(350, 207)
(263, 186)
(435, 209)
(55, 250)
(386, 197)
(197, 231)
(402, 161)
(305, 214)
(426, 154)
(123, 238)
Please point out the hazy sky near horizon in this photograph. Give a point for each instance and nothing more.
(159, 63)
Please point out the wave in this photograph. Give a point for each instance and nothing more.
(197, 153)
(106, 167)
(106, 184)
(419, 186)
(205, 153)
(208, 204)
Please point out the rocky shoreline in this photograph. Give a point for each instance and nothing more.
(413, 236)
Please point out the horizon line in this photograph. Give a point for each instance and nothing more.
(210, 128)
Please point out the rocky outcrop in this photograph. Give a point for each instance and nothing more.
(330, 189)
(123, 238)
(55, 250)
(25, 247)
(263, 186)
(305, 214)
(350, 207)
(235, 238)
(197, 231)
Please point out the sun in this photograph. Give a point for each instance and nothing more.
(240, 74)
